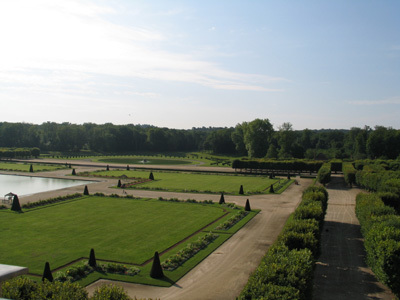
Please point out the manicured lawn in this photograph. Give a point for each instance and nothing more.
(119, 229)
(191, 182)
(25, 167)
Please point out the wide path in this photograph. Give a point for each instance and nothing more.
(341, 272)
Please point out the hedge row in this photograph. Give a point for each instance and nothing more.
(22, 288)
(349, 173)
(380, 227)
(324, 173)
(19, 152)
(286, 271)
(293, 165)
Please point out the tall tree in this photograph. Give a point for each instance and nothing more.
(257, 135)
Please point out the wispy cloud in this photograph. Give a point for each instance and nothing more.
(63, 41)
(393, 100)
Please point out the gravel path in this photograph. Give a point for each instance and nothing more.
(341, 272)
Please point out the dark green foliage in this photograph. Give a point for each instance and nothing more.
(108, 168)
(22, 288)
(324, 174)
(73, 172)
(86, 191)
(271, 189)
(47, 273)
(151, 176)
(288, 175)
(247, 206)
(110, 292)
(15, 204)
(156, 269)
(92, 258)
(31, 169)
(241, 192)
(349, 173)
(127, 167)
(380, 227)
(222, 199)
(119, 183)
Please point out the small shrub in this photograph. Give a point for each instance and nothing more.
(47, 273)
(151, 176)
(247, 206)
(110, 292)
(156, 269)
(241, 192)
(86, 191)
(222, 199)
(15, 204)
(92, 258)
(73, 172)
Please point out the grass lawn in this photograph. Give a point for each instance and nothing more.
(24, 167)
(192, 182)
(119, 229)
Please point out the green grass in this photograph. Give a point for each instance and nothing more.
(119, 229)
(23, 167)
(192, 182)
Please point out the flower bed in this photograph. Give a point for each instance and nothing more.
(81, 271)
(189, 251)
(232, 221)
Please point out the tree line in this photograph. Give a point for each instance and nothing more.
(255, 139)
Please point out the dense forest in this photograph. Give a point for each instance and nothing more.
(255, 139)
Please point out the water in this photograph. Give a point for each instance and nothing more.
(26, 185)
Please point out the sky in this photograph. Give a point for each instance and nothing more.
(183, 64)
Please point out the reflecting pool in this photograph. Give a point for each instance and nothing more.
(27, 185)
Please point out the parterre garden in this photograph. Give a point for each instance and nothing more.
(124, 232)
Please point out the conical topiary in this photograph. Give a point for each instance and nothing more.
(222, 199)
(127, 167)
(108, 168)
(247, 206)
(73, 172)
(31, 169)
(241, 190)
(15, 204)
(156, 269)
(288, 175)
(271, 189)
(86, 191)
(47, 273)
(151, 176)
(92, 259)
(119, 183)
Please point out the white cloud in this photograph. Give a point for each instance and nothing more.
(393, 100)
(50, 43)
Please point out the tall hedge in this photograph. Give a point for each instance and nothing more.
(349, 173)
(380, 227)
(286, 271)
(324, 174)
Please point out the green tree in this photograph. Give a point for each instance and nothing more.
(257, 135)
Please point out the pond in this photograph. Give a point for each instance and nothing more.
(27, 185)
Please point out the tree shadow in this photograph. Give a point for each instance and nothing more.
(341, 271)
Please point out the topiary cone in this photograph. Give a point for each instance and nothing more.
(151, 176)
(92, 259)
(247, 206)
(127, 167)
(119, 183)
(156, 269)
(31, 169)
(73, 172)
(47, 273)
(15, 204)
(241, 190)
(222, 199)
(271, 189)
(86, 191)
(108, 168)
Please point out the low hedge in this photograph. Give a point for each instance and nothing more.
(286, 271)
(380, 227)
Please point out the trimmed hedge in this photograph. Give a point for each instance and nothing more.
(286, 271)
(324, 173)
(292, 165)
(349, 173)
(380, 227)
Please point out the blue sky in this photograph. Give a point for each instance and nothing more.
(184, 64)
